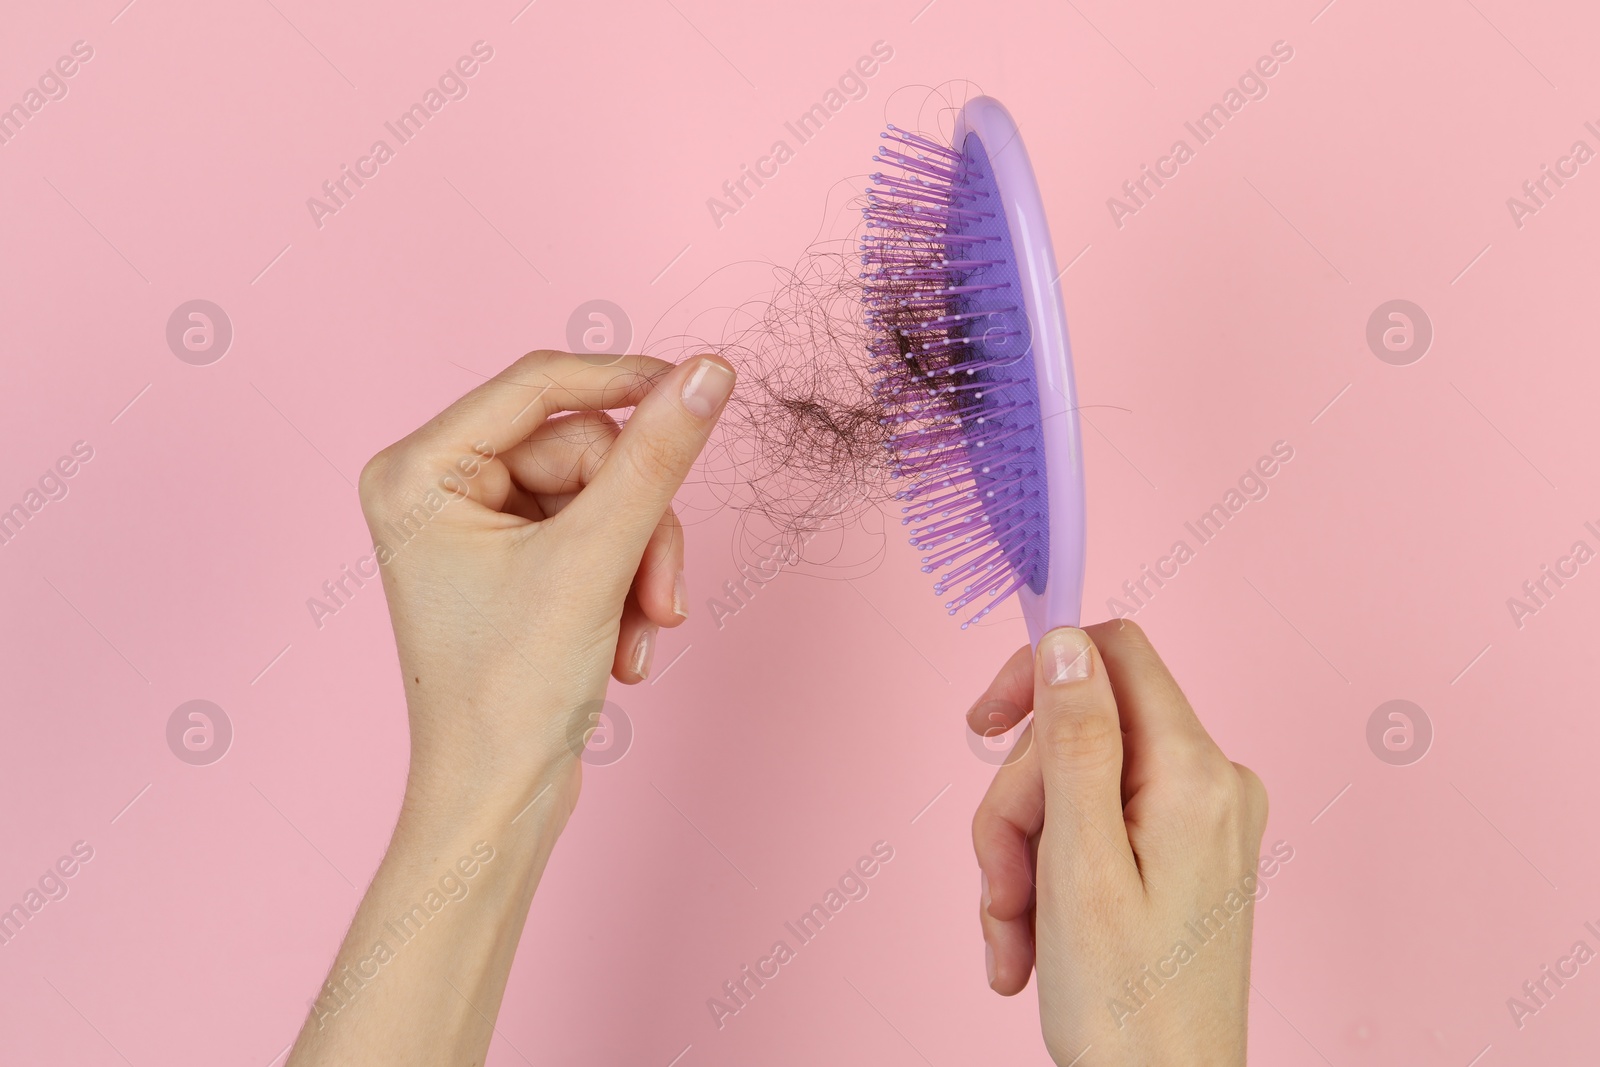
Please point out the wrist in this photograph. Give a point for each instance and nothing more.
(447, 804)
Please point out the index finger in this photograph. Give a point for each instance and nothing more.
(1009, 698)
(511, 405)
(1155, 714)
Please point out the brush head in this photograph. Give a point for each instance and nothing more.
(971, 365)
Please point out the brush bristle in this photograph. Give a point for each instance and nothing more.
(952, 366)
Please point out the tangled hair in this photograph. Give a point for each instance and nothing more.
(807, 414)
(800, 449)
(802, 446)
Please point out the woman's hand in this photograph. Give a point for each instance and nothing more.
(1119, 856)
(526, 555)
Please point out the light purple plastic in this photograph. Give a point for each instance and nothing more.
(1061, 602)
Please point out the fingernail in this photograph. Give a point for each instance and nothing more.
(642, 650)
(988, 961)
(983, 880)
(707, 386)
(680, 596)
(1065, 655)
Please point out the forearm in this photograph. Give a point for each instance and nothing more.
(422, 970)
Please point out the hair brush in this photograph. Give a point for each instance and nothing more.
(971, 366)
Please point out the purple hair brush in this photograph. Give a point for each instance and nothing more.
(970, 360)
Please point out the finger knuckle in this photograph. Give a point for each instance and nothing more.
(531, 360)
(1256, 800)
(404, 479)
(1220, 796)
(596, 424)
(1132, 631)
(532, 369)
(666, 544)
(595, 431)
(1085, 740)
(983, 829)
(379, 477)
(1124, 632)
(662, 554)
(655, 458)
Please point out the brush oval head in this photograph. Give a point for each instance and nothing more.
(971, 364)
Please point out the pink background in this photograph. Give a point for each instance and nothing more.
(1227, 314)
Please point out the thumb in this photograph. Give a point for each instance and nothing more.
(653, 454)
(1078, 736)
